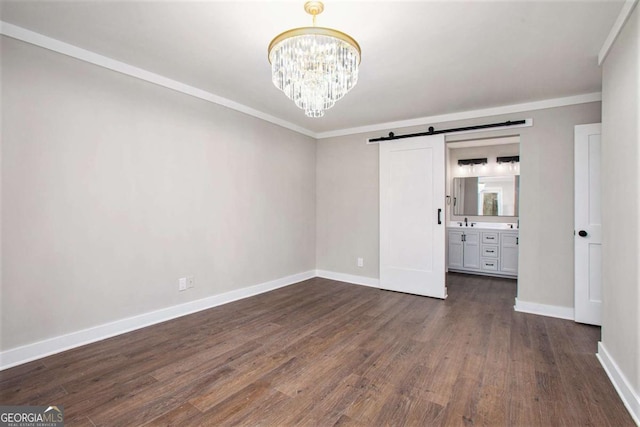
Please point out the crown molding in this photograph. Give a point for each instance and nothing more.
(67, 49)
(623, 17)
(70, 50)
(471, 114)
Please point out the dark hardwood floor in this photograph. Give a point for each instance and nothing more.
(325, 353)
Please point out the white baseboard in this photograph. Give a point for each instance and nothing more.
(27, 353)
(629, 396)
(349, 278)
(544, 309)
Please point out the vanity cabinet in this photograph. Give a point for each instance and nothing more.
(483, 251)
(509, 250)
(464, 249)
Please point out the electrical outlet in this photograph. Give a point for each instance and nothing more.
(191, 282)
(182, 284)
(360, 262)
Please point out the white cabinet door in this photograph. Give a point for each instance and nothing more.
(588, 228)
(509, 253)
(471, 249)
(456, 249)
(412, 230)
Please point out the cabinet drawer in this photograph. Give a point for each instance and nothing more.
(490, 237)
(490, 251)
(491, 265)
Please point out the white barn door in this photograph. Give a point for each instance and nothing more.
(588, 225)
(412, 223)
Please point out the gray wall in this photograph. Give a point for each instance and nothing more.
(113, 188)
(347, 206)
(347, 200)
(621, 195)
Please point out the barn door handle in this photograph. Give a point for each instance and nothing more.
(439, 213)
(582, 233)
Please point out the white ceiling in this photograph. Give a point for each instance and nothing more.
(419, 58)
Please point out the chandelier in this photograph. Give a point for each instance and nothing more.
(314, 66)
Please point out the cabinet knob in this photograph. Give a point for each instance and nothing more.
(582, 233)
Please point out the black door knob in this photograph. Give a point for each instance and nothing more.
(582, 233)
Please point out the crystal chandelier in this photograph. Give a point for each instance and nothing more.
(314, 66)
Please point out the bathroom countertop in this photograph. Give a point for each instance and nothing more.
(484, 225)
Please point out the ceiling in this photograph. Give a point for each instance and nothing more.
(419, 58)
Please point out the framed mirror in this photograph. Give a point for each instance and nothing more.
(486, 195)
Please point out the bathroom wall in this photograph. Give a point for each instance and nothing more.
(492, 168)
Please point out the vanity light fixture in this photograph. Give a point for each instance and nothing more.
(468, 165)
(467, 162)
(512, 161)
(508, 159)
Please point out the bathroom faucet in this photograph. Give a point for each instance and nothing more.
(465, 222)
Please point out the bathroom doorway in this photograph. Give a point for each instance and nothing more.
(482, 206)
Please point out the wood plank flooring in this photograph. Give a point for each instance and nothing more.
(323, 353)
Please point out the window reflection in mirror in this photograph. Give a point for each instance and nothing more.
(486, 195)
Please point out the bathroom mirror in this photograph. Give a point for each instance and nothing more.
(486, 195)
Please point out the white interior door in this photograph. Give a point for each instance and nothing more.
(588, 228)
(412, 225)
